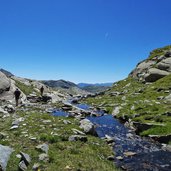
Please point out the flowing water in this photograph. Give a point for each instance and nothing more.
(132, 152)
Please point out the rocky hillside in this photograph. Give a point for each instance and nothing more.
(30, 89)
(7, 73)
(32, 138)
(143, 99)
(156, 66)
(65, 86)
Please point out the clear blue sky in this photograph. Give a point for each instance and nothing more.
(80, 40)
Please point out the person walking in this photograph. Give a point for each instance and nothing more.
(17, 96)
(41, 90)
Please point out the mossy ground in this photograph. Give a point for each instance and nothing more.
(64, 155)
(140, 102)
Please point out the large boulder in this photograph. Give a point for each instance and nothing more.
(88, 127)
(154, 74)
(4, 83)
(141, 68)
(9, 95)
(165, 65)
(5, 153)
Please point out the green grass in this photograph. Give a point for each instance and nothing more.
(24, 88)
(91, 155)
(158, 130)
(159, 51)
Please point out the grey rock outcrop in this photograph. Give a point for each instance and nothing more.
(4, 83)
(154, 74)
(5, 153)
(153, 68)
(165, 65)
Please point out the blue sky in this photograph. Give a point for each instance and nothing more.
(80, 40)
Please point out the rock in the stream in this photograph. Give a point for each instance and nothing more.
(119, 158)
(88, 127)
(129, 154)
(43, 148)
(5, 153)
(109, 139)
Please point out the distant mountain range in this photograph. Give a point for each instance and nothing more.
(67, 85)
(82, 85)
(95, 88)
(59, 84)
(7, 73)
(70, 87)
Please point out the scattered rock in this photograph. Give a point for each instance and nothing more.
(44, 157)
(78, 138)
(26, 158)
(14, 127)
(43, 148)
(46, 121)
(36, 166)
(22, 166)
(66, 122)
(9, 108)
(76, 131)
(3, 111)
(116, 110)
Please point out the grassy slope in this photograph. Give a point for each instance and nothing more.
(26, 89)
(159, 51)
(143, 107)
(91, 155)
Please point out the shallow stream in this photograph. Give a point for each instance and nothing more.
(132, 152)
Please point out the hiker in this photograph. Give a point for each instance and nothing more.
(41, 90)
(17, 96)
